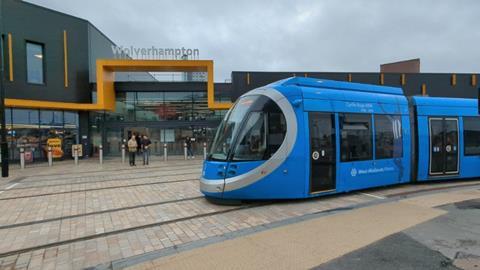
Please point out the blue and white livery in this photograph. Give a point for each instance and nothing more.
(305, 137)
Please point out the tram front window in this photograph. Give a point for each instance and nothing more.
(229, 128)
(256, 126)
(252, 141)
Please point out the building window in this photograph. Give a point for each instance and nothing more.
(35, 64)
(471, 135)
(356, 137)
(388, 136)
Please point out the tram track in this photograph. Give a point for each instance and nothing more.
(28, 223)
(169, 165)
(396, 196)
(142, 171)
(125, 230)
(94, 189)
(89, 182)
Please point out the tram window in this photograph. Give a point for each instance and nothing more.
(277, 127)
(388, 136)
(471, 135)
(252, 141)
(356, 137)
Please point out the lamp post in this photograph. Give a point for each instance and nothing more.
(3, 126)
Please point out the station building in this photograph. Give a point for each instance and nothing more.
(64, 86)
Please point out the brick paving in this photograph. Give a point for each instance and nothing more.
(101, 214)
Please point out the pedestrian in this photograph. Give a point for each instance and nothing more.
(139, 143)
(132, 149)
(146, 149)
(188, 143)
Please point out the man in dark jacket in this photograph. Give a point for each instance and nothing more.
(188, 143)
(139, 143)
(146, 149)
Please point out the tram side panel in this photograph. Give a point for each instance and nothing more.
(441, 139)
(376, 172)
(359, 172)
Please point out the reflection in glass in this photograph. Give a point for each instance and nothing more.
(252, 141)
(24, 132)
(178, 106)
(31, 129)
(388, 136)
(34, 63)
(49, 119)
(471, 134)
(124, 108)
(230, 127)
(71, 119)
(356, 137)
(149, 106)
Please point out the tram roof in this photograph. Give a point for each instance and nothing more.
(338, 85)
(444, 102)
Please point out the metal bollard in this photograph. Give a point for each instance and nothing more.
(75, 155)
(185, 151)
(165, 152)
(204, 150)
(22, 158)
(100, 154)
(50, 158)
(123, 153)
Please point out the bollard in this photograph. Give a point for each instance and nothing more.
(165, 152)
(75, 155)
(185, 151)
(100, 154)
(204, 150)
(123, 153)
(50, 158)
(22, 158)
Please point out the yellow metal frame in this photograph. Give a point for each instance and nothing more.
(10, 57)
(65, 58)
(106, 69)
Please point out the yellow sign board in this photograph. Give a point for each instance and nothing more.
(56, 145)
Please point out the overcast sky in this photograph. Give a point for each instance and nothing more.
(316, 35)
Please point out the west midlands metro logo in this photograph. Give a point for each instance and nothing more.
(353, 172)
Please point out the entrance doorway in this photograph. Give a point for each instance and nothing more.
(322, 152)
(443, 146)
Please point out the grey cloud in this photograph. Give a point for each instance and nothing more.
(354, 35)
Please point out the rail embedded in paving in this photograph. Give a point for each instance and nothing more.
(141, 171)
(96, 189)
(104, 234)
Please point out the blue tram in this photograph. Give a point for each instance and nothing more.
(304, 137)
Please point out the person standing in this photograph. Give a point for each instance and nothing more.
(139, 143)
(132, 149)
(146, 149)
(188, 142)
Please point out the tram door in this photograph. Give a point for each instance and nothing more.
(322, 151)
(443, 146)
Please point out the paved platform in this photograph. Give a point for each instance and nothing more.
(332, 241)
(115, 216)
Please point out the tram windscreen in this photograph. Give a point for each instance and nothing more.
(229, 127)
(256, 126)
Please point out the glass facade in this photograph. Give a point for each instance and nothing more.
(34, 129)
(166, 117)
(158, 106)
